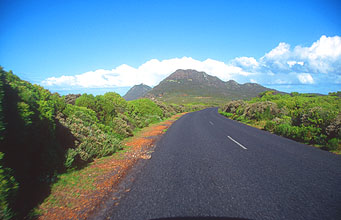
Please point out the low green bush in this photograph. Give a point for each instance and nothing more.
(234, 106)
(8, 191)
(87, 115)
(334, 144)
(226, 114)
(91, 142)
(262, 111)
(146, 107)
(121, 126)
(306, 118)
(270, 126)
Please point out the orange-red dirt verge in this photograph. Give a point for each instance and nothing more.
(93, 185)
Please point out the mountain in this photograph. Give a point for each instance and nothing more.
(191, 86)
(136, 92)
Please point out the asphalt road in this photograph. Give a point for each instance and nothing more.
(213, 167)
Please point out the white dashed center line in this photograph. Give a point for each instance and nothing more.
(211, 122)
(240, 145)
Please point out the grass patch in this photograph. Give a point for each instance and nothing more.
(70, 184)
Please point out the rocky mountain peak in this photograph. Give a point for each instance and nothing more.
(194, 86)
(137, 91)
(186, 74)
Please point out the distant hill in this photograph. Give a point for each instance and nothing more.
(136, 92)
(191, 86)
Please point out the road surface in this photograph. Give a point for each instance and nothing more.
(209, 166)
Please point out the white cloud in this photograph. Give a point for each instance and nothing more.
(150, 73)
(245, 62)
(325, 47)
(282, 65)
(305, 78)
(283, 49)
(281, 81)
(323, 56)
(293, 62)
(60, 81)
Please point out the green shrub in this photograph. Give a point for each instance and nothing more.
(320, 139)
(270, 126)
(262, 111)
(234, 106)
(167, 110)
(310, 133)
(241, 118)
(147, 111)
(334, 144)
(283, 130)
(29, 140)
(87, 101)
(305, 134)
(91, 142)
(87, 115)
(146, 107)
(8, 190)
(226, 114)
(121, 126)
(70, 158)
(2, 92)
(318, 117)
(25, 113)
(333, 130)
(108, 106)
(306, 118)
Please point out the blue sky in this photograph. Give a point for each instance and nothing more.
(99, 46)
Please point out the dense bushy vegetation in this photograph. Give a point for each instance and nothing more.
(308, 118)
(44, 134)
(31, 153)
(8, 189)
